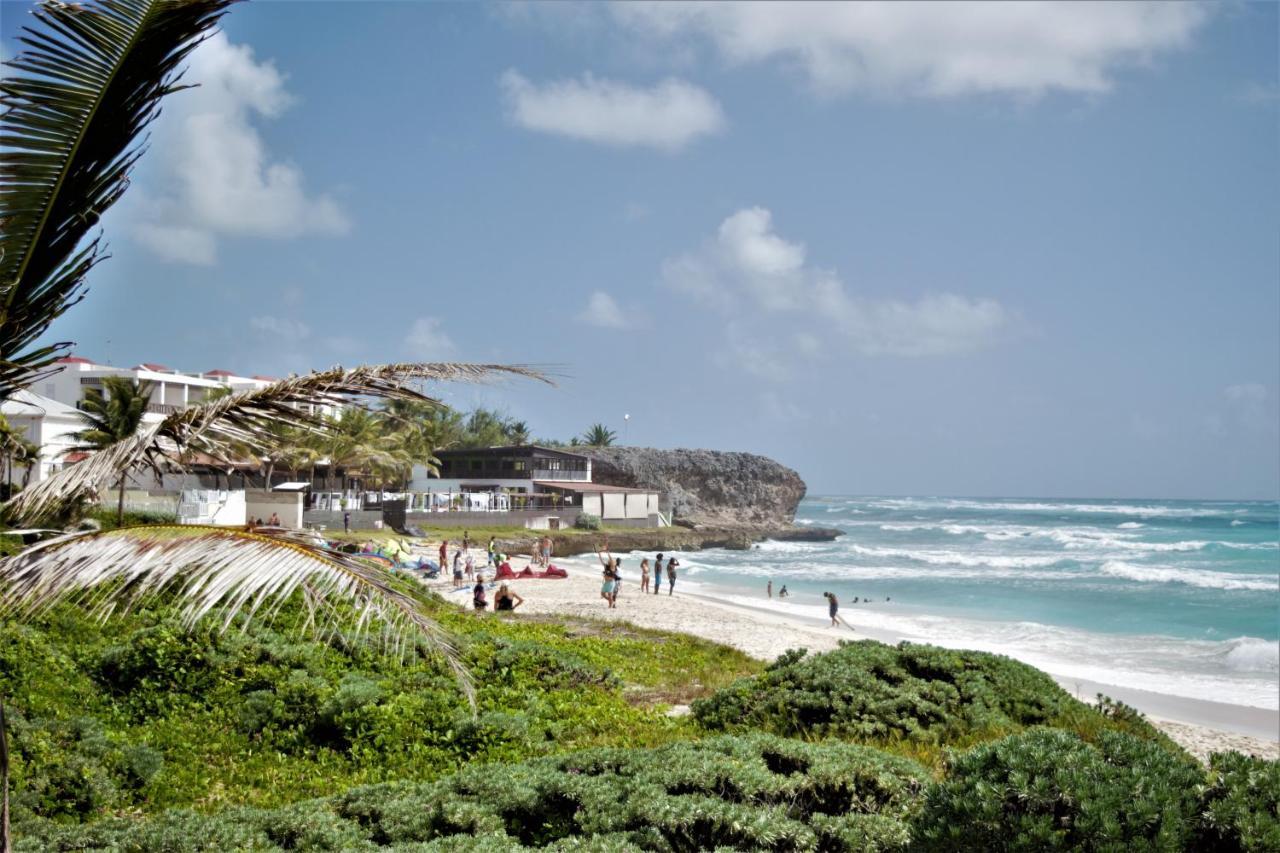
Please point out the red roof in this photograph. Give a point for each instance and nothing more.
(73, 359)
(219, 373)
(75, 456)
(157, 368)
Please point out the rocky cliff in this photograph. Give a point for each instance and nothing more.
(705, 487)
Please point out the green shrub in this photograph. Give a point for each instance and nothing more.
(1240, 808)
(587, 521)
(870, 691)
(1046, 789)
(749, 793)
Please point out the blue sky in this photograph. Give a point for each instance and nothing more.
(961, 249)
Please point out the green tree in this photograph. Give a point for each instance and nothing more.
(112, 414)
(518, 432)
(598, 435)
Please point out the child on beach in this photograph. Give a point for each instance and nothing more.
(644, 575)
(471, 566)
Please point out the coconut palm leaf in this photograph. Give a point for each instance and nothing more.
(94, 75)
(219, 572)
(244, 420)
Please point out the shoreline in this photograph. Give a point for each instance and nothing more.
(764, 632)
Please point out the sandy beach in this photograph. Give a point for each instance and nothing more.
(768, 630)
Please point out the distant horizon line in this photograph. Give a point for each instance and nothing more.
(1275, 500)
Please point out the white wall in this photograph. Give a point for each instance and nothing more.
(206, 506)
(591, 505)
(613, 505)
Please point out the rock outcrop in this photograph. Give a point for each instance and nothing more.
(705, 487)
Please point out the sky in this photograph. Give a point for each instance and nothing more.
(956, 249)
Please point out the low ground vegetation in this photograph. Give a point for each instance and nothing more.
(147, 737)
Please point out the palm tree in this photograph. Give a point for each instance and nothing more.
(112, 414)
(598, 435)
(518, 432)
(95, 74)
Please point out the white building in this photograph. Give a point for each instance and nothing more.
(47, 423)
(48, 412)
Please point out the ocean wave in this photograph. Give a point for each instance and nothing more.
(1190, 577)
(955, 558)
(1130, 525)
(1235, 522)
(1251, 654)
(1139, 510)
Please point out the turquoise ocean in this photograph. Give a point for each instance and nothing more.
(1178, 597)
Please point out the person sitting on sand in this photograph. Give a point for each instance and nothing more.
(274, 520)
(782, 593)
(644, 575)
(477, 594)
(833, 607)
(506, 599)
(671, 576)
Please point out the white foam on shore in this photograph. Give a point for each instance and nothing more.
(1158, 664)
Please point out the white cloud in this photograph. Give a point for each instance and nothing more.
(1246, 392)
(602, 310)
(747, 268)
(213, 174)
(667, 116)
(280, 328)
(426, 340)
(931, 49)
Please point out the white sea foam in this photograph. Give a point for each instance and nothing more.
(1251, 654)
(957, 558)
(1235, 522)
(1130, 525)
(1190, 577)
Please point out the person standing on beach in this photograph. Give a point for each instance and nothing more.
(346, 522)
(833, 607)
(607, 561)
(444, 555)
(466, 540)
(671, 576)
(491, 552)
(769, 589)
(657, 575)
(617, 580)
(477, 594)
(644, 575)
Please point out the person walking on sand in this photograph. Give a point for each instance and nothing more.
(657, 575)
(671, 576)
(833, 607)
(644, 575)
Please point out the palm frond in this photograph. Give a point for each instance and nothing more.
(245, 420)
(215, 572)
(94, 77)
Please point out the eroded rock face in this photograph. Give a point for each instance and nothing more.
(705, 487)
